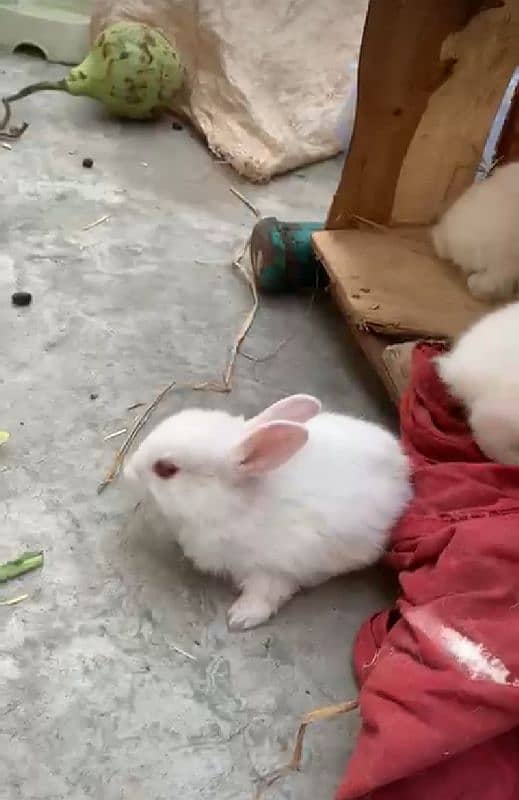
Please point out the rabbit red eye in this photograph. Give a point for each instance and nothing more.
(164, 469)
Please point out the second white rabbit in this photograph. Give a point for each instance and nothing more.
(480, 233)
(481, 371)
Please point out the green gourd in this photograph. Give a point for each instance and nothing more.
(132, 69)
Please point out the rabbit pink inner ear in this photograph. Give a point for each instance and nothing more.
(268, 447)
(296, 408)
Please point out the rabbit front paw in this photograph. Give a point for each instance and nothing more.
(262, 595)
(248, 612)
(492, 285)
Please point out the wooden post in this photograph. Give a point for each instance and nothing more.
(400, 67)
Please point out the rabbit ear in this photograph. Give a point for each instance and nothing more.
(268, 446)
(297, 408)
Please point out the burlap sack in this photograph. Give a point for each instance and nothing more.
(267, 82)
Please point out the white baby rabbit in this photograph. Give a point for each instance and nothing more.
(282, 501)
(480, 233)
(482, 371)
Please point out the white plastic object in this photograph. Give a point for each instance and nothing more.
(346, 120)
(57, 28)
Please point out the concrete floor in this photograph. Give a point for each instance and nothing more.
(95, 699)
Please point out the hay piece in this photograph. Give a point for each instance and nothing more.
(319, 714)
(223, 386)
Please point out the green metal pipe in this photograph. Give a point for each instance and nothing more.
(282, 256)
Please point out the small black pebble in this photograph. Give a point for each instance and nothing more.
(307, 691)
(196, 642)
(94, 396)
(88, 163)
(177, 126)
(22, 423)
(21, 298)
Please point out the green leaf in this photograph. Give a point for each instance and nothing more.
(21, 565)
(4, 437)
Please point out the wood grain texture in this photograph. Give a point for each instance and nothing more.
(403, 63)
(391, 284)
(397, 360)
(446, 149)
(374, 348)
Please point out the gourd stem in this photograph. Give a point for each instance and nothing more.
(57, 86)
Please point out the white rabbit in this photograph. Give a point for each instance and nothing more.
(274, 503)
(480, 233)
(482, 371)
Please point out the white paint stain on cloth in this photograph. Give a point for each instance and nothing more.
(473, 657)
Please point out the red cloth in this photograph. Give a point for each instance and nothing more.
(439, 673)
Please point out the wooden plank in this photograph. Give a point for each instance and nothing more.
(391, 284)
(391, 362)
(397, 361)
(374, 348)
(401, 65)
(445, 152)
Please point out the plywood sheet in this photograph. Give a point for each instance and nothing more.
(397, 361)
(403, 62)
(388, 369)
(392, 284)
(446, 148)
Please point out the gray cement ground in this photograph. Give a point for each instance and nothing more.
(96, 698)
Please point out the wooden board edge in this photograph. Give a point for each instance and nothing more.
(373, 348)
(332, 253)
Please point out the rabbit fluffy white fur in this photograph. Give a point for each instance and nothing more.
(482, 371)
(480, 233)
(282, 501)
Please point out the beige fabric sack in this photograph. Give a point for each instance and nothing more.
(267, 81)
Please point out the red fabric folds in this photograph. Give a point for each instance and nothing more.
(439, 673)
